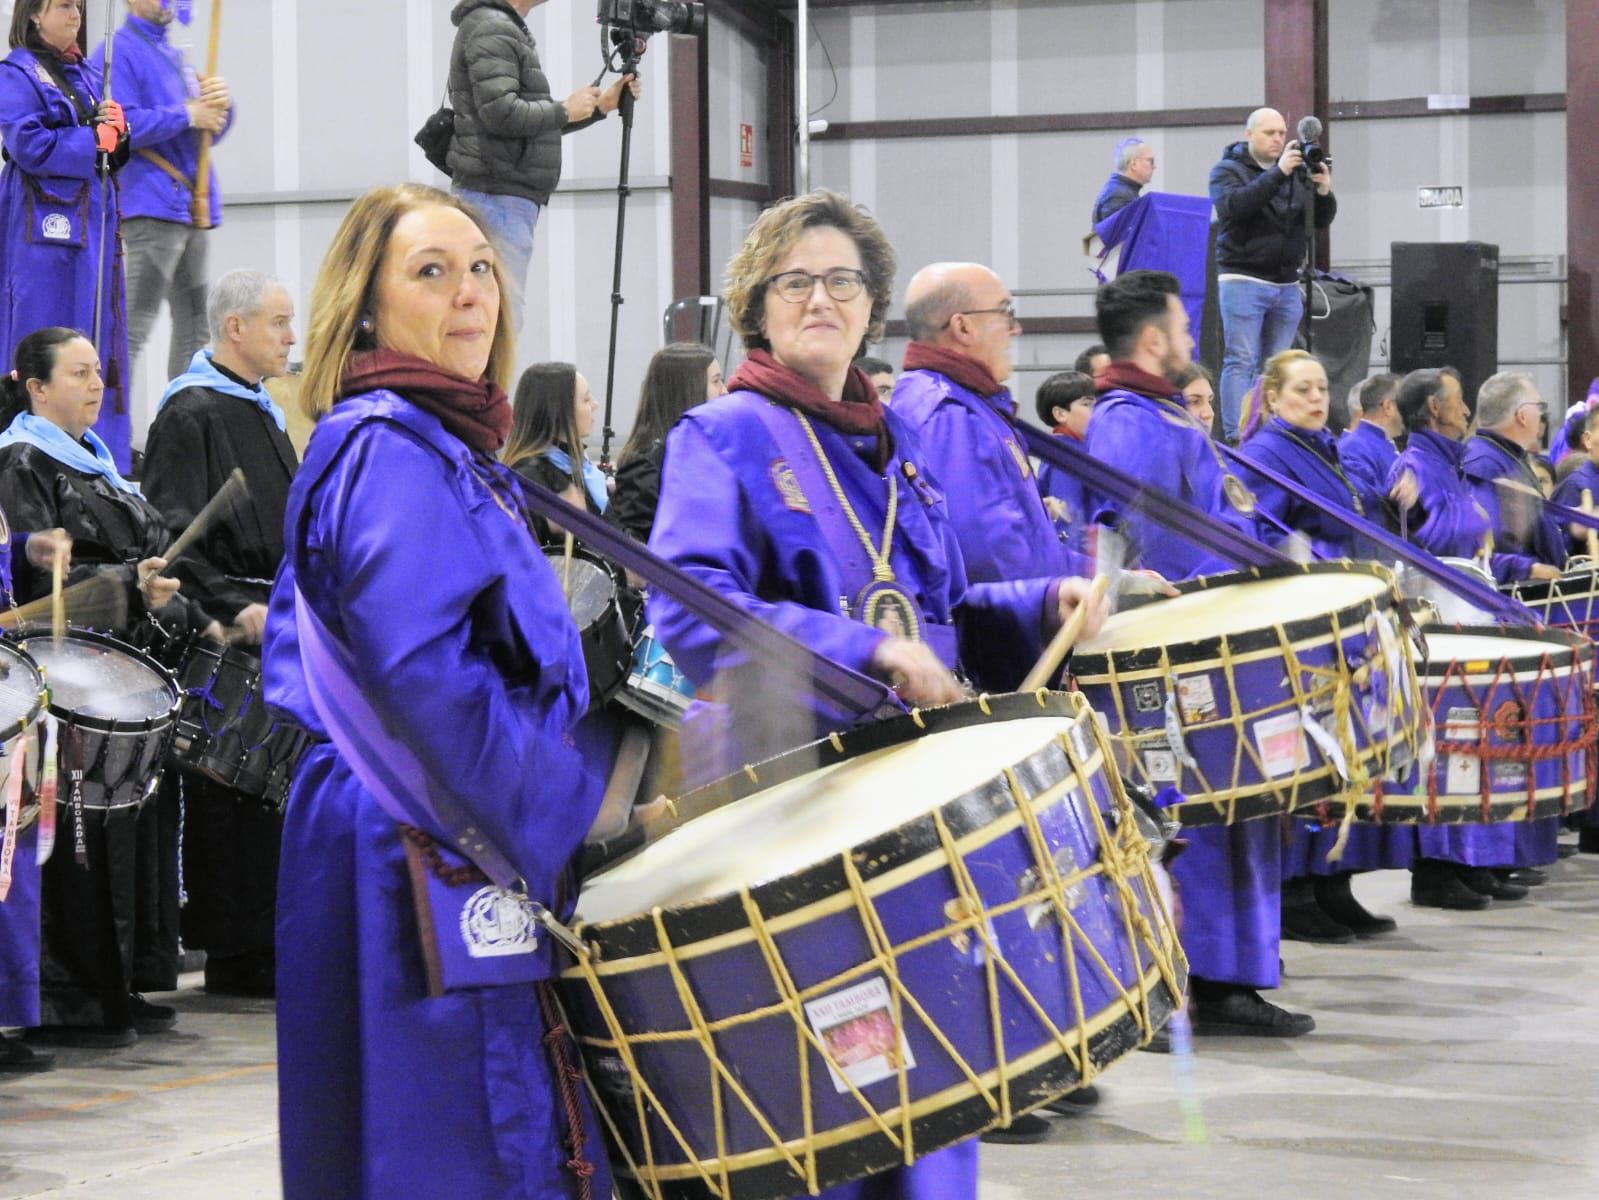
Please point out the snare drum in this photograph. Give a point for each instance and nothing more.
(868, 949)
(117, 710)
(1261, 692)
(22, 700)
(655, 688)
(1513, 717)
(225, 731)
(1570, 602)
(594, 600)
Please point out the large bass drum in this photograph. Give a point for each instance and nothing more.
(869, 949)
(1259, 693)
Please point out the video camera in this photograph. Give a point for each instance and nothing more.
(641, 18)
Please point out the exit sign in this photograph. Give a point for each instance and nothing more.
(1440, 197)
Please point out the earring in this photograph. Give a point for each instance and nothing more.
(368, 326)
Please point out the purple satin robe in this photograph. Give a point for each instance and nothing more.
(1446, 519)
(461, 640)
(1368, 455)
(1524, 531)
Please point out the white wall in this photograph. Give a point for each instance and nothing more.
(1021, 203)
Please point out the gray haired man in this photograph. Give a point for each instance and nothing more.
(1135, 167)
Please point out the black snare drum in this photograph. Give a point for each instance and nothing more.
(225, 731)
(594, 600)
(117, 709)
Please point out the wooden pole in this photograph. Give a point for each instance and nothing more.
(202, 174)
(1593, 534)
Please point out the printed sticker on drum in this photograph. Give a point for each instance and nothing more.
(856, 1025)
(1196, 699)
(1463, 772)
(1281, 743)
(1147, 697)
(1160, 766)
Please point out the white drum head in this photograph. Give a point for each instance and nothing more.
(806, 820)
(1485, 647)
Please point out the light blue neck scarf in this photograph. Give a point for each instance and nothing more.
(593, 477)
(93, 458)
(203, 373)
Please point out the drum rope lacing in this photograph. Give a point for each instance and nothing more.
(1121, 851)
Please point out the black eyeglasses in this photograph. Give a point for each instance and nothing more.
(1006, 310)
(842, 284)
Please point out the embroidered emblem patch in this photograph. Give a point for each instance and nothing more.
(57, 228)
(788, 488)
(44, 77)
(496, 923)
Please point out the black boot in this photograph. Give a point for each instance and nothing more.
(1075, 1103)
(19, 1057)
(1588, 839)
(1524, 876)
(1236, 1010)
(1435, 883)
(1485, 883)
(1303, 919)
(1024, 1130)
(1335, 898)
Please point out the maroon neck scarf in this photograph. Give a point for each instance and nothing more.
(860, 411)
(952, 364)
(1125, 377)
(1066, 431)
(476, 412)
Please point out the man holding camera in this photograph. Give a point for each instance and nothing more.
(505, 157)
(1260, 189)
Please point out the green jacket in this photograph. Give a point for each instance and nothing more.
(507, 125)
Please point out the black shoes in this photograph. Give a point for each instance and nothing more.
(1075, 1103)
(1234, 1010)
(1435, 883)
(1530, 877)
(1588, 839)
(1025, 1130)
(152, 1018)
(17, 1057)
(1487, 883)
(1334, 898)
(1304, 920)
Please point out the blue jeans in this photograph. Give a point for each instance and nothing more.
(510, 222)
(1257, 321)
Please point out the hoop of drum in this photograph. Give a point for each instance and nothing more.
(888, 941)
(119, 716)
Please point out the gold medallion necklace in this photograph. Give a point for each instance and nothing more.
(882, 570)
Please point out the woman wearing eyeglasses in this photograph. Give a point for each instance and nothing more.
(807, 503)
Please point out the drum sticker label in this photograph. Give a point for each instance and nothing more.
(1147, 697)
(1031, 881)
(1462, 772)
(1196, 699)
(1281, 743)
(857, 1027)
(497, 923)
(1160, 766)
(788, 488)
(611, 1076)
(1507, 774)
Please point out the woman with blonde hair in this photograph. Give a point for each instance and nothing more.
(417, 632)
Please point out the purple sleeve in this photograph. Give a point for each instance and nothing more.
(706, 526)
(149, 124)
(419, 624)
(35, 146)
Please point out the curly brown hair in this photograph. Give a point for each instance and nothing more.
(775, 234)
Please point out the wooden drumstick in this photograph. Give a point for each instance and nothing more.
(566, 575)
(100, 601)
(1593, 534)
(229, 494)
(58, 602)
(1065, 638)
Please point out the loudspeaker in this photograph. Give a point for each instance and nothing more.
(1445, 310)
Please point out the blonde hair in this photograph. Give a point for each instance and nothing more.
(773, 237)
(1275, 377)
(346, 283)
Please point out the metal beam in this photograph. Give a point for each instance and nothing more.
(1296, 71)
(688, 65)
(1582, 196)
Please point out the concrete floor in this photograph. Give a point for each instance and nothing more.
(1454, 1058)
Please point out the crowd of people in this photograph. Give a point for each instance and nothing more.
(407, 610)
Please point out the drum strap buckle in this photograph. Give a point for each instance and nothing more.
(557, 930)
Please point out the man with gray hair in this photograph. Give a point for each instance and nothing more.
(1260, 189)
(215, 418)
(1498, 465)
(1135, 167)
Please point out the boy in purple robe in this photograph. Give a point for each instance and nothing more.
(59, 241)
(1065, 402)
(1230, 877)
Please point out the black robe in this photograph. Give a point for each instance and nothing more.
(199, 437)
(110, 928)
(638, 491)
(230, 841)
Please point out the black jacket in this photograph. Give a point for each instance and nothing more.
(198, 438)
(1118, 192)
(1260, 216)
(507, 125)
(638, 491)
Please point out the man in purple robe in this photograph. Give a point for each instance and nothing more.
(1583, 478)
(1230, 877)
(1498, 464)
(1367, 448)
(60, 244)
